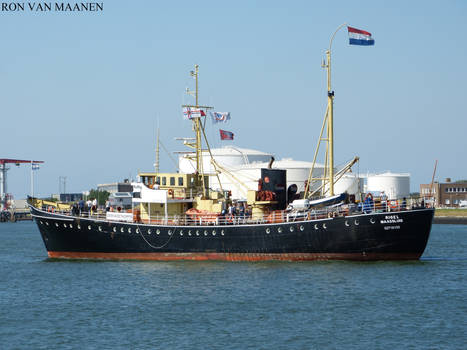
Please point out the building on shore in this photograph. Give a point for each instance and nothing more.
(116, 187)
(447, 194)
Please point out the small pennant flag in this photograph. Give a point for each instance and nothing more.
(219, 117)
(191, 112)
(226, 135)
(360, 37)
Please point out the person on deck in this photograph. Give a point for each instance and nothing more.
(384, 201)
(404, 204)
(81, 206)
(94, 205)
(89, 205)
(368, 204)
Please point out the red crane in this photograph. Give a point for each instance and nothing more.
(4, 169)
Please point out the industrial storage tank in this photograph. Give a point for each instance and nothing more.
(393, 184)
(350, 183)
(229, 156)
(242, 178)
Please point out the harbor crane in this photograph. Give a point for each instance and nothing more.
(3, 169)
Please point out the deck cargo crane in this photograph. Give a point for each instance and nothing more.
(3, 169)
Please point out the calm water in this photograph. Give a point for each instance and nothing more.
(48, 304)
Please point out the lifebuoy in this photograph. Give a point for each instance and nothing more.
(171, 192)
(393, 204)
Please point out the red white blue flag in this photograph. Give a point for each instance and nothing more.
(360, 37)
(226, 135)
(191, 112)
(219, 117)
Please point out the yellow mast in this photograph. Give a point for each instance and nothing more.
(329, 121)
(331, 115)
(197, 128)
(156, 164)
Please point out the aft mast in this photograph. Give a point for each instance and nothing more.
(156, 164)
(329, 122)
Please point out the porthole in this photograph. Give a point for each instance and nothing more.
(149, 231)
(100, 229)
(316, 226)
(129, 230)
(47, 223)
(114, 229)
(357, 222)
(279, 229)
(122, 230)
(268, 230)
(79, 227)
(205, 232)
(158, 231)
(89, 227)
(302, 228)
(372, 220)
(42, 223)
(189, 232)
(213, 232)
(64, 225)
(197, 232)
(347, 223)
(56, 224)
(291, 228)
(324, 226)
(222, 232)
(181, 232)
(71, 226)
(170, 232)
(137, 230)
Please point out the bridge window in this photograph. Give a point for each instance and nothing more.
(180, 181)
(172, 181)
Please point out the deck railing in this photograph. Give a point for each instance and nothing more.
(278, 216)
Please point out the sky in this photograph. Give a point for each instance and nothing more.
(84, 92)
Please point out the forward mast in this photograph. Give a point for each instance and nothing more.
(198, 128)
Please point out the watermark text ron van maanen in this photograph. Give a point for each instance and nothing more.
(52, 6)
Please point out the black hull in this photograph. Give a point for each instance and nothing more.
(379, 236)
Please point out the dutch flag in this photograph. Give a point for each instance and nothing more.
(360, 37)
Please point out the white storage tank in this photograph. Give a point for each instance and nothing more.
(393, 184)
(350, 183)
(229, 156)
(248, 175)
(245, 165)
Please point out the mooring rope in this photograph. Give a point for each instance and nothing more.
(149, 244)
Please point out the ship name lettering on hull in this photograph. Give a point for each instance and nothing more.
(391, 219)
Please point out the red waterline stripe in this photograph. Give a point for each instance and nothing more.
(234, 256)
